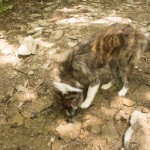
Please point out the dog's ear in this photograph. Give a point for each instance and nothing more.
(65, 88)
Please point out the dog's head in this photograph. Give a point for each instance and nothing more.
(70, 97)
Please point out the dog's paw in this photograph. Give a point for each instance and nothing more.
(123, 92)
(85, 105)
(106, 86)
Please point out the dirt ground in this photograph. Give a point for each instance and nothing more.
(30, 118)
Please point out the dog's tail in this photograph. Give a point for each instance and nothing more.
(60, 57)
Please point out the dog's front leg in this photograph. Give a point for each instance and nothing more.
(92, 90)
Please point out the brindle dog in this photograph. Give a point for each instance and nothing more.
(119, 45)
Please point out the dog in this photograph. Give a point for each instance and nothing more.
(118, 45)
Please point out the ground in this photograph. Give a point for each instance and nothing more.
(30, 118)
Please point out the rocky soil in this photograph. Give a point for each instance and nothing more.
(30, 118)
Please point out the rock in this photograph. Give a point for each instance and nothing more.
(121, 115)
(145, 110)
(27, 47)
(143, 29)
(116, 103)
(69, 131)
(46, 65)
(137, 135)
(57, 34)
(19, 87)
(128, 102)
(35, 15)
(92, 123)
(31, 73)
(48, 30)
(72, 44)
(38, 33)
(110, 133)
(43, 23)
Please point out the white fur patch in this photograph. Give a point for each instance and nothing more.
(90, 96)
(123, 91)
(65, 88)
(106, 86)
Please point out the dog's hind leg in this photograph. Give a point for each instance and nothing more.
(92, 90)
(126, 73)
(114, 75)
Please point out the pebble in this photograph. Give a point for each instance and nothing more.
(19, 87)
(68, 131)
(145, 110)
(37, 34)
(72, 44)
(43, 23)
(57, 34)
(128, 102)
(35, 15)
(31, 73)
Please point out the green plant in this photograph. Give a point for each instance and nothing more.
(4, 7)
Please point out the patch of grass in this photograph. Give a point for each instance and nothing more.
(4, 6)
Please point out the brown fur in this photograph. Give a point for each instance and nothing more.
(118, 45)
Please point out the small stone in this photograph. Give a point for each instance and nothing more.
(28, 46)
(121, 115)
(46, 65)
(145, 110)
(69, 131)
(48, 30)
(31, 73)
(19, 87)
(57, 34)
(143, 29)
(37, 34)
(72, 44)
(43, 23)
(35, 15)
(128, 102)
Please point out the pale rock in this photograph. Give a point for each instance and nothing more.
(31, 73)
(128, 102)
(35, 15)
(19, 87)
(46, 65)
(137, 135)
(145, 110)
(28, 46)
(57, 34)
(116, 103)
(43, 23)
(69, 131)
(38, 33)
(72, 44)
(46, 9)
(48, 30)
